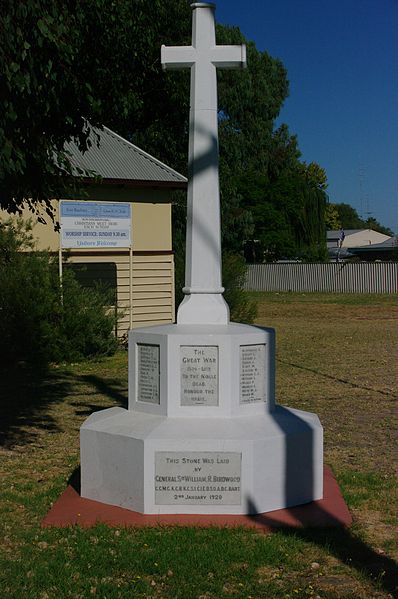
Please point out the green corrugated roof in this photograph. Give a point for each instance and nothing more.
(114, 158)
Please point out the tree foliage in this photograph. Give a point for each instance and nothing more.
(332, 219)
(348, 218)
(36, 326)
(65, 62)
(372, 223)
(99, 62)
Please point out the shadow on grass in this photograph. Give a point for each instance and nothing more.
(347, 548)
(26, 395)
(300, 458)
(110, 388)
(337, 379)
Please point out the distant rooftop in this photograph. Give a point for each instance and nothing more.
(336, 234)
(388, 244)
(117, 160)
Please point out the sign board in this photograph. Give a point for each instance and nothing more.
(95, 224)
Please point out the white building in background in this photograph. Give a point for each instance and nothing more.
(339, 242)
(354, 238)
(115, 170)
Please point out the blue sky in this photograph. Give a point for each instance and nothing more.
(342, 62)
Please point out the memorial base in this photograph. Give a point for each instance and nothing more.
(202, 434)
(70, 509)
(157, 465)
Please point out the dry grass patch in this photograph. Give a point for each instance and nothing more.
(336, 356)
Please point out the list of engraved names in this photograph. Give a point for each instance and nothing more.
(197, 478)
(252, 373)
(148, 370)
(199, 375)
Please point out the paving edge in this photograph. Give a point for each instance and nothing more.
(331, 511)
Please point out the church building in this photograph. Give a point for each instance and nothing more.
(141, 275)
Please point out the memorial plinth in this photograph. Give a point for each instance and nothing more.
(202, 433)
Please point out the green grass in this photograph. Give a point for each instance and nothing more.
(154, 562)
(366, 488)
(336, 356)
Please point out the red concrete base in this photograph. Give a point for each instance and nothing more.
(71, 509)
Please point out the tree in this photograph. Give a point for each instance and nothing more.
(348, 216)
(350, 219)
(65, 62)
(36, 326)
(332, 219)
(287, 201)
(99, 62)
(43, 96)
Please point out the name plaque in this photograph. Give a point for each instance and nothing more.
(197, 478)
(252, 374)
(148, 373)
(199, 375)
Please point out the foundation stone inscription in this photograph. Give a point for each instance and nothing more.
(199, 375)
(148, 373)
(252, 373)
(197, 478)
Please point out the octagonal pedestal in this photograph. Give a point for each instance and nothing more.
(202, 434)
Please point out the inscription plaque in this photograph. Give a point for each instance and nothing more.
(148, 373)
(199, 375)
(252, 373)
(197, 478)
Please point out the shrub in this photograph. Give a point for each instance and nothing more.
(36, 326)
(86, 327)
(242, 307)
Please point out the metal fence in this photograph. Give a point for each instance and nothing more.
(333, 277)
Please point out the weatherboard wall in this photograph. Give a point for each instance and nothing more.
(152, 285)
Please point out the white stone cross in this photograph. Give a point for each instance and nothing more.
(203, 302)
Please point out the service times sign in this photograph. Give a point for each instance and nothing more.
(95, 224)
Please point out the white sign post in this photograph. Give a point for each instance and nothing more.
(98, 225)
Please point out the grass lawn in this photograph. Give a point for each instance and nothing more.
(336, 355)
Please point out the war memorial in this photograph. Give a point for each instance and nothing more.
(203, 433)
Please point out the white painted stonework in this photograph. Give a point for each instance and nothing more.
(202, 433)
(279, 457)
(230, 372)
(203, 247)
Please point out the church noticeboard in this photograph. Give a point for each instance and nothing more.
(95, 224)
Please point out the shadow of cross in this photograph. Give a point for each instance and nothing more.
(341, 542)
(203, 242)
